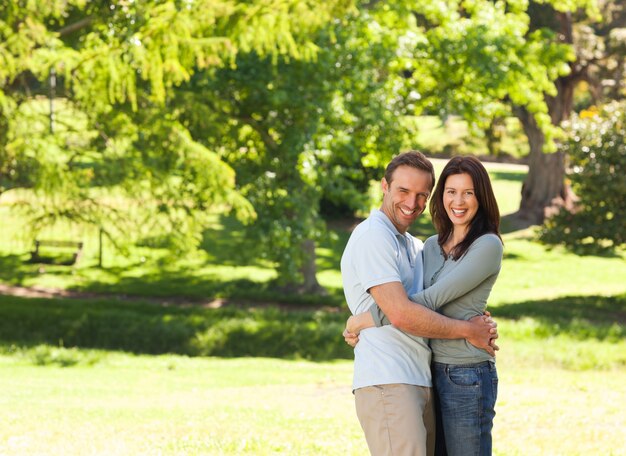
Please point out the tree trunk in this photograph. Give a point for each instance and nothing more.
(544, 191)
(309, 270)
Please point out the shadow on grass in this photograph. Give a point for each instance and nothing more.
(15, 269)
(579, 317)
(183, 286)
(228, 243)
(147, 328)
(270, 331)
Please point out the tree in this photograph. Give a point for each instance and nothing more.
(545, 189)
(301, 131)
(485, 60)
(597, 153)
(116, 139)
(590, 46)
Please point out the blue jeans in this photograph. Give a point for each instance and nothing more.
(465, 405)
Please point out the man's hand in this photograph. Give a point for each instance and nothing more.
(494, 336)
(350, 338)
(483, 332)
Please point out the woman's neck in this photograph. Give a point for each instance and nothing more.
(458, 234)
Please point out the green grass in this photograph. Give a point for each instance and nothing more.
(150, 328)
(178, 406)
(172, 405)
(531, 271)
(591, 325)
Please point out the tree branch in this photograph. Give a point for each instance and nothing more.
(84, 22)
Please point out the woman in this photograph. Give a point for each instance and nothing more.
(461, 264)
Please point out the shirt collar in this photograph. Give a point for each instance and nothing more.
(406, 237)
(380, 215)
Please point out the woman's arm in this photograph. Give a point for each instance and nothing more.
(481, 261)
(412, 318)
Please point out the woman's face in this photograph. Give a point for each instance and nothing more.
(459, 199)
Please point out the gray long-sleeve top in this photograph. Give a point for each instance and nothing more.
(457, 289)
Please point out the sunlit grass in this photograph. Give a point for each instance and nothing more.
(172, 405)
(532, 271)
(434, 136)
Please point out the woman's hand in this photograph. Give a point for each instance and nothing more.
(350, 338)
(359, 322)
(350, 334)
(352, 327)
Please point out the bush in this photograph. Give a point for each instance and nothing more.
(597, 155)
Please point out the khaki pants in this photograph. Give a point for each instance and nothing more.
(397, 419)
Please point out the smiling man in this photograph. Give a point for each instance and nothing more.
(382, 263)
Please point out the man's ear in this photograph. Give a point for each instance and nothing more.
(384, 185)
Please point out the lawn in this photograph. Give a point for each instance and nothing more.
(173, 405)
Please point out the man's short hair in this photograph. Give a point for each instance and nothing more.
(414, 159)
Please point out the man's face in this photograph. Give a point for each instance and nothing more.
(404, 199)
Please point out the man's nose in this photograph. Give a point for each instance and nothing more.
(413, 202)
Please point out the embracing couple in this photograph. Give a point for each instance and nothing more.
(413, 301)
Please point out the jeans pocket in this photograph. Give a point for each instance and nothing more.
(494, 387)
(467, 377)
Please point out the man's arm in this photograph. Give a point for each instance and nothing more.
(418, 320)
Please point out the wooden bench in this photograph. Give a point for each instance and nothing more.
(36, 255)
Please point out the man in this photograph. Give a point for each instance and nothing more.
(382, 263)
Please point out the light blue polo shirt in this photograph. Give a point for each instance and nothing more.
(377, 253)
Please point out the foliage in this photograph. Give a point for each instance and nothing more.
(597, 154)
(480, 59)
(300, 132)
(140, 118)
(111, 150)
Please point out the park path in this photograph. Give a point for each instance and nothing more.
(58, 293)
(50, 293)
